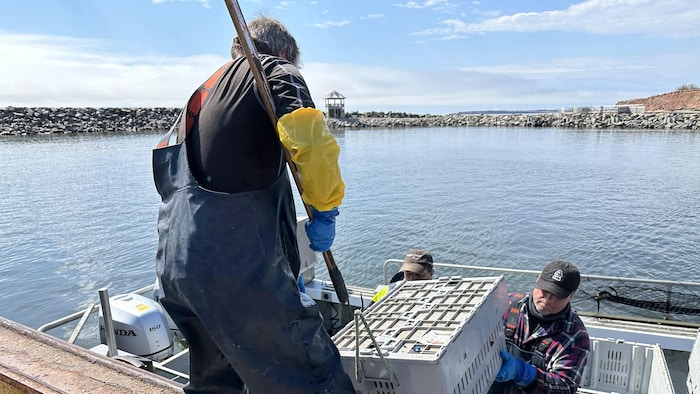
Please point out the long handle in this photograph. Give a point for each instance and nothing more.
(256, 67)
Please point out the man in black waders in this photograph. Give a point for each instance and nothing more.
(227, 253)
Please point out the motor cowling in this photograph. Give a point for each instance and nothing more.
(140, 327)
(158, 294)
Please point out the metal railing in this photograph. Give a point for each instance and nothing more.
(163, 366)
(670, 288)
(83, 314)
(464, 267)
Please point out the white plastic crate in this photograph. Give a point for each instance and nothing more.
(625, 368)
(693, 381)
(438, 336)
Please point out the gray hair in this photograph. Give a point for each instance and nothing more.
(271, 38)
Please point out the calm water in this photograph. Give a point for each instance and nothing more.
(79, 212)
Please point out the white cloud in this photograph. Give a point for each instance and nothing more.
(327, 24)
(566, 67)
(383, 89)
(548, 84)
(668, 18)
(420, 5)
(205, 3)
(65, 72)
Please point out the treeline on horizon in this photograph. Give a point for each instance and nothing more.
(686, 87)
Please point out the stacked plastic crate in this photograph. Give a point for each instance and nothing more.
(625, 368)
(693, 380)
(436, 336)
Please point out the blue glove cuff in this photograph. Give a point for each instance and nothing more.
(527, 376)
(321, 229)
(516, 370)
(324, 215)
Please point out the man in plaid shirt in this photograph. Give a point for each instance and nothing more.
(547, 342)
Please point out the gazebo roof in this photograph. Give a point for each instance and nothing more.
(334, 95)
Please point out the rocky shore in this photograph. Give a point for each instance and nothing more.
(27, 121)
(41, 120)
(684, 120)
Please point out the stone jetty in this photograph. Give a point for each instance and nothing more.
(28, 121)
(663, 120)
(40, 120)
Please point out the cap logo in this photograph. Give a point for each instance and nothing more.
(414, 256)
(558, 275)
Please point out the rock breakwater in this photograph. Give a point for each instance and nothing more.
(677, 120)
(24, 121)
(27, 121)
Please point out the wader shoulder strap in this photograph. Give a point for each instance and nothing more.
(194, 105)
(197, 101)
(542, 347)
(513, 315)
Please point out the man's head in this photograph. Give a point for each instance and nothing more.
(271, 38)
(418, 265)
(555, 286)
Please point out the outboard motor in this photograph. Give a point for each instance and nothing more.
(140, 327)
(158, 293)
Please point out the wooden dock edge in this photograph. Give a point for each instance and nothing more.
(35, 362)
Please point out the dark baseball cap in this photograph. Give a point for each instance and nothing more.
(417, 261)
(560, 278)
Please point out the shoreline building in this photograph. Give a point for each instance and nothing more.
(335, 105)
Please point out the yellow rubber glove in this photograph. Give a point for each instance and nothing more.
(381, 292)
(313, 149)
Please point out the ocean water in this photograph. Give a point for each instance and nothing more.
(79, 211)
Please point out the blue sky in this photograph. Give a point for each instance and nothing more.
(423, 56)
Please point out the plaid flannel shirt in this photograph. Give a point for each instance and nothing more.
(565, 357)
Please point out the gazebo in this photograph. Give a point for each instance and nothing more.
(335, 105)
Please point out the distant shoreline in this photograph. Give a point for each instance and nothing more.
(30, 120)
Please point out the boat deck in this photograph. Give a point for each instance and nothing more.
(34, 362)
